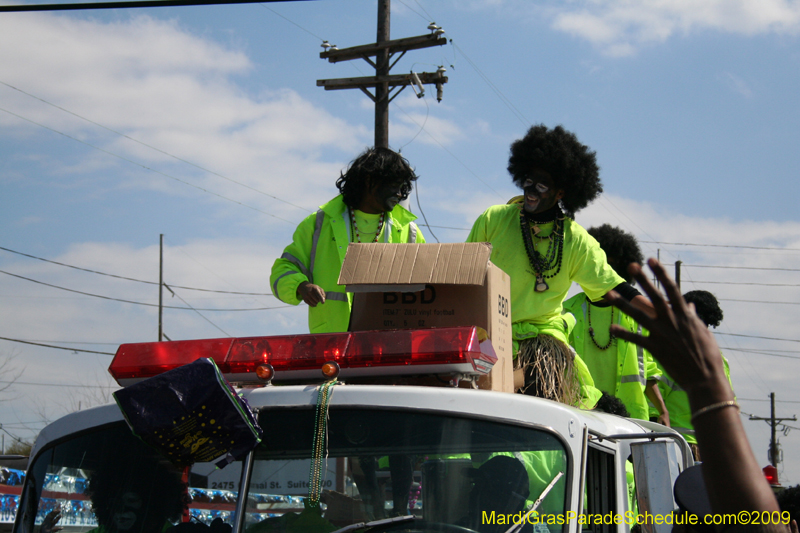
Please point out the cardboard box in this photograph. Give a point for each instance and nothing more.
(400, 286)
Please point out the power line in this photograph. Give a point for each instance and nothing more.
(62, 385)
(758, 352)
(765, 351)
(51, 346)
(196, 311)
(4, 430)
(516, 112)
(457, 159)
(80, 342)
(748, 283)
(292, 22)
(765, 400)
(127, 4)
(133, 302)
(726, 246)
(428, 18)
(133, 279)
(756, 337)
(141, 165)
(623, 213)
(744, 268)
(152, 147)
(757, 301)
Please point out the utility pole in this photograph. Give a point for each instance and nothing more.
(384, 83)
(774, 447)
(160, 286)
(655, 279)
(678, 273)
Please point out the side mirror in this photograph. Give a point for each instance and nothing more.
(655, 472)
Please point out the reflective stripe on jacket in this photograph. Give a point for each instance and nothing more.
(316, 255)
(677, 402)
(634, 366)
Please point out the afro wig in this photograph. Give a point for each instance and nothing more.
(621, 248)
(374, 166)
(571, 164)
(608, 403)
(164, 496)
(706, 306)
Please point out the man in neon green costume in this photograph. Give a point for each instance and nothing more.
(619, 368)
(367, 210)
(538, 244)
(708, 310)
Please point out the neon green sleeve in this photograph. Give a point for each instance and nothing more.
(291, 268)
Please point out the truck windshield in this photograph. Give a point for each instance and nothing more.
(441, 472)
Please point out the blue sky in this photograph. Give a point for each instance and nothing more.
(206, 124)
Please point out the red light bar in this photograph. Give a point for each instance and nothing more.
(301, 357)
(134, 362)
(771, 473)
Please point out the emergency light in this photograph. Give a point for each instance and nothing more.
(771, 473)
(456, 351)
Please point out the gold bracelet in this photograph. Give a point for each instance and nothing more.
(714, 407)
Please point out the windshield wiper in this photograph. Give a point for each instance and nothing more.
(377, 523)
(517, 527)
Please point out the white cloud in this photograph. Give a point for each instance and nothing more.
(158, 84)
(620, 27)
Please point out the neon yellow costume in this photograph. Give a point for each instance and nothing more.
(677, 402)
(532, 313)
(317, 253)
(624, 368)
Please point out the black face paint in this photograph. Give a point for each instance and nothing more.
(127, 516)
(540, 193)
(387, 195)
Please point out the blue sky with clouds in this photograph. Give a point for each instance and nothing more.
(206, 124)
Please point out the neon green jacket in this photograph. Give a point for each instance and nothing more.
(583, 262)
(316, 255)
(633, 365)
(677, 402)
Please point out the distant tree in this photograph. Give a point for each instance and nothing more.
(92, 392)
(19, 448)
(9, 374)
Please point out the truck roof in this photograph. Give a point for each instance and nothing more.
(564, 420)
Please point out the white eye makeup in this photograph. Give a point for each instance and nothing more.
(540, 187)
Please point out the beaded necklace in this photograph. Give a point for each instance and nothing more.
(355, 236)
(319, 442)
(552, 258)
(591, 329)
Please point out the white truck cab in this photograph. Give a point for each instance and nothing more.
(392, 458)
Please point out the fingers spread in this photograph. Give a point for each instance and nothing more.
(670, 287)
(622, 333)
(625, 306)
(655, 295)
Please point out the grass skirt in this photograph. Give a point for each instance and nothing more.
(548, 366)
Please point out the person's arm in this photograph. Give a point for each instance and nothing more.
(640, 302)
(290, 275)
(654, 395)
(689, 353)
(643, 304)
